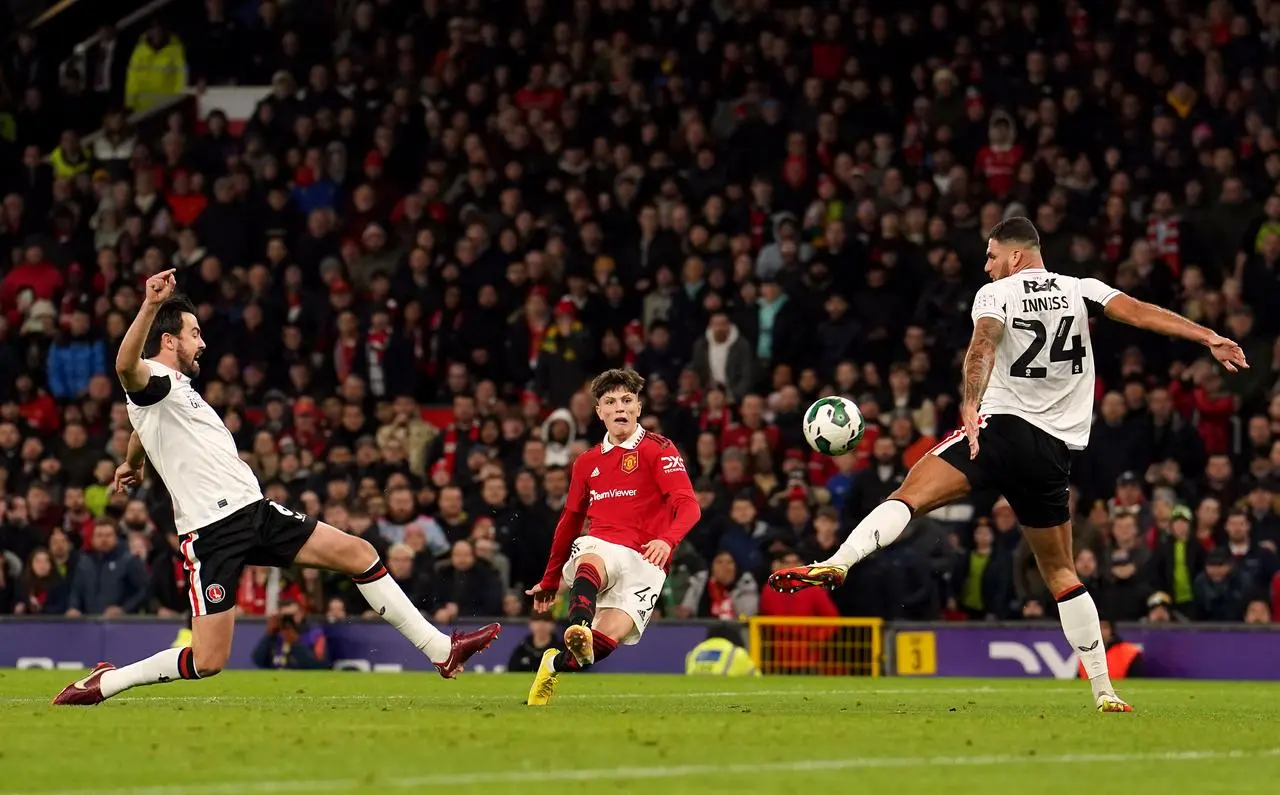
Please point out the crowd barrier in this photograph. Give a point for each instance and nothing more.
(972, 650)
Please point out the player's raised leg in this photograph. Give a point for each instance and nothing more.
(330, 548)
(1076, 610)
(611, 627)
(930, 484)
(588, 580)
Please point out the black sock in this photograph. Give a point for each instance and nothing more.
(582, 597)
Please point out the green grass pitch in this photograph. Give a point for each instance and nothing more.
(266, 733)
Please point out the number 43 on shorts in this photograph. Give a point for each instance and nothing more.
(646, 596)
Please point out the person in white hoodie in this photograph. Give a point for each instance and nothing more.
(558, 434)
(724, 357)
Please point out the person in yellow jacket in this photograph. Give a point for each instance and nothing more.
(157, 69)
(1124, 659)
(70, 157)
(721, 654)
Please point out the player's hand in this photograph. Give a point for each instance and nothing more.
(969, 415)
(657, 552)
(543, 598)
(160, 287)
(127, 477)
(1228, 353)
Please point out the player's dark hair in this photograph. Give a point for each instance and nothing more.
(168, 321)
(610, 380)
(1015, 230)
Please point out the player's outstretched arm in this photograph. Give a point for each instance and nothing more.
(1160, 320)
(567, 530)
(133, 374)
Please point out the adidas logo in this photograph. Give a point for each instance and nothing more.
(595, 472)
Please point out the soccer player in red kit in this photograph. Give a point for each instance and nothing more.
(634, 495)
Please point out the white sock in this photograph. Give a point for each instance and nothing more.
(384, 596)
(1079, 617)
(880, 529)
(157, 669)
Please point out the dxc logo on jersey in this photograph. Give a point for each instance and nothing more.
(1042, 655)
(1040, 287)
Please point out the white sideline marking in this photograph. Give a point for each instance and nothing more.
(659, 772)
(576, 696)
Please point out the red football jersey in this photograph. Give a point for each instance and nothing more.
(629, 494)
(622, 489)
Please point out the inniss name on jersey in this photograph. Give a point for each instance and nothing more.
(1043, 303)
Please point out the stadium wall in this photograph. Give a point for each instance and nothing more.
(978, 650)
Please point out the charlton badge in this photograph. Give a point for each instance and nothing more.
(630, 462)
(215, 593)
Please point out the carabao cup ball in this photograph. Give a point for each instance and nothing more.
(833, 425)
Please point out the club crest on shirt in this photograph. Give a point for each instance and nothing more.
(630, 462)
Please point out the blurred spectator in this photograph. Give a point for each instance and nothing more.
(721, 592)
(981, 578)
(1178, 559)
(291, 642)
(466, 587)
(528, 655)
(42, 589)
(108, 580)
(157, 69)
(1220, 589)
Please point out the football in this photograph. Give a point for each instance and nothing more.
(833, 425)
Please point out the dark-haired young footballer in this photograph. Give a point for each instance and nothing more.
(221, 515)
(1031, 342)
(633, 492)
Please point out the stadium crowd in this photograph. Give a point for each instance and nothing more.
(751, 203)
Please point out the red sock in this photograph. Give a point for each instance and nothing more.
(582, 596)
(602, 644)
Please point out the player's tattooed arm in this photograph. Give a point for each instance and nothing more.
(981, 358)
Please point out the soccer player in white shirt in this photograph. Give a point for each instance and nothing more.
(223, 519)
(1028, 402)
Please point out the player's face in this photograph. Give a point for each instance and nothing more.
(189, 345)
(1002, 258)
(619, 410)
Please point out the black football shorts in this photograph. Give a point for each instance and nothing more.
(263, 533)
(1027, 465)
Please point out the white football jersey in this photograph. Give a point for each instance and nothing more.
(1044, 362)
(191, 449)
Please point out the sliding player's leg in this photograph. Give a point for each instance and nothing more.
(932, 483)
(213, 563)
(327, 547)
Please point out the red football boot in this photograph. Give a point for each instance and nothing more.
(463, 646)
(85, 692)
